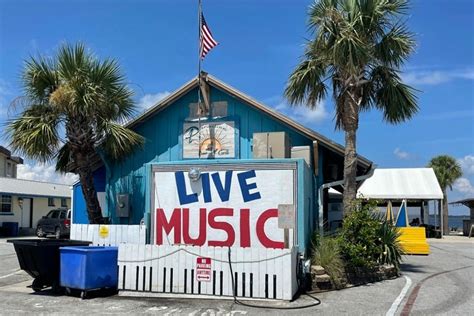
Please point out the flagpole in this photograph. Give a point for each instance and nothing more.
(199, 77)
(199, 38)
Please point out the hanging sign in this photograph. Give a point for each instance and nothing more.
(225, 208)
(209, 139)
(203, 269)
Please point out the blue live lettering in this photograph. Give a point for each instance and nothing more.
(223, 187)
(245, 187)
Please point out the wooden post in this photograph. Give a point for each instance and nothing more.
(315, 157)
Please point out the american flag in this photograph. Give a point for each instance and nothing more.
(207, 41)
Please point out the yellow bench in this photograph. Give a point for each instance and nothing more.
(413, 240)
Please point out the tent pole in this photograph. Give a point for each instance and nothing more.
(441, 218)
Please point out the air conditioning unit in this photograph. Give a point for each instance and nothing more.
(302, 152)
(270, 145)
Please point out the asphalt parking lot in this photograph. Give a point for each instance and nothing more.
(441, 283)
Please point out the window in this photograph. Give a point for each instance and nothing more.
(9, 170)
(55, 214)
(63, 214)
(51, 202)
(63, 202)
(6, 204)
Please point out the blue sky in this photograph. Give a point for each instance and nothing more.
(260, 43)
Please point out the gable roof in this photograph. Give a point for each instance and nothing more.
(214, 82)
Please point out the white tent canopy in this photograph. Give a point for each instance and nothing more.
(402, 183)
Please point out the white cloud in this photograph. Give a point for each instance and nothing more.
(464, 186)
(467, 164)
(303, 114)
(436, 77)
(401, 154)
(44, 173)
(149, 100)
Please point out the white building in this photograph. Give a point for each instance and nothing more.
(26, 201)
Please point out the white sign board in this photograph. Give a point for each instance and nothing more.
(203, 269)
(236, 208)
(209, 139)
(286, 216)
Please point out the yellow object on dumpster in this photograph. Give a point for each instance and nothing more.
(413, 240)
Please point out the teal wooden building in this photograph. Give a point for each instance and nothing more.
(233, 129)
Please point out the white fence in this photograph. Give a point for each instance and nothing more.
(109, 235)
(258, 273)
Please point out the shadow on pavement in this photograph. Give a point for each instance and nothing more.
(408, 267)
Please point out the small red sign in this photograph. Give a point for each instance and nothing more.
(203, 269)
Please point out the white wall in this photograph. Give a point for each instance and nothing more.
(40, 209)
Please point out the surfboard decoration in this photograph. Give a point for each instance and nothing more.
(389, 213)
(402, 217)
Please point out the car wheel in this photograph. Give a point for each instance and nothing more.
(57, 233)
(39, 232)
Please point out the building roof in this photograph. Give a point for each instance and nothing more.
(467, 202)
(402, 183)
(22, 187)
(214, 82)
(8, 153)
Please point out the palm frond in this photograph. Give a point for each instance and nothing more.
(319, 12)
(395, 46)
(35, 133)
(111, 90)
(73, 62)
(119, 141)
(40, 78)
(64, 159)
(396, 100)
(306, 85)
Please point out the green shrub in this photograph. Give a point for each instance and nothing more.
(326, 253)
(359, 238)
(390, 248)
(367, 240)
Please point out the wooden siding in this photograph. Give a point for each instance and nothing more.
(117, 234)
(258, 273)
(163, 133)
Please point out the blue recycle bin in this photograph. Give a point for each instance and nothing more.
(87, 268)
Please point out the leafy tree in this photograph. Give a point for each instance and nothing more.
(357, 51)
(71, 111)
(447, 170)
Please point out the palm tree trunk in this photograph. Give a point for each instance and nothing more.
(350, 119)
(86, 178)
(79, 133)
(445, 213)
(350, 171)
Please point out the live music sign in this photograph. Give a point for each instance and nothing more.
(225, 208)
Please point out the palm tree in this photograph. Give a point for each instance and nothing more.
(447, 170)
(71, 112)
(357, 51)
